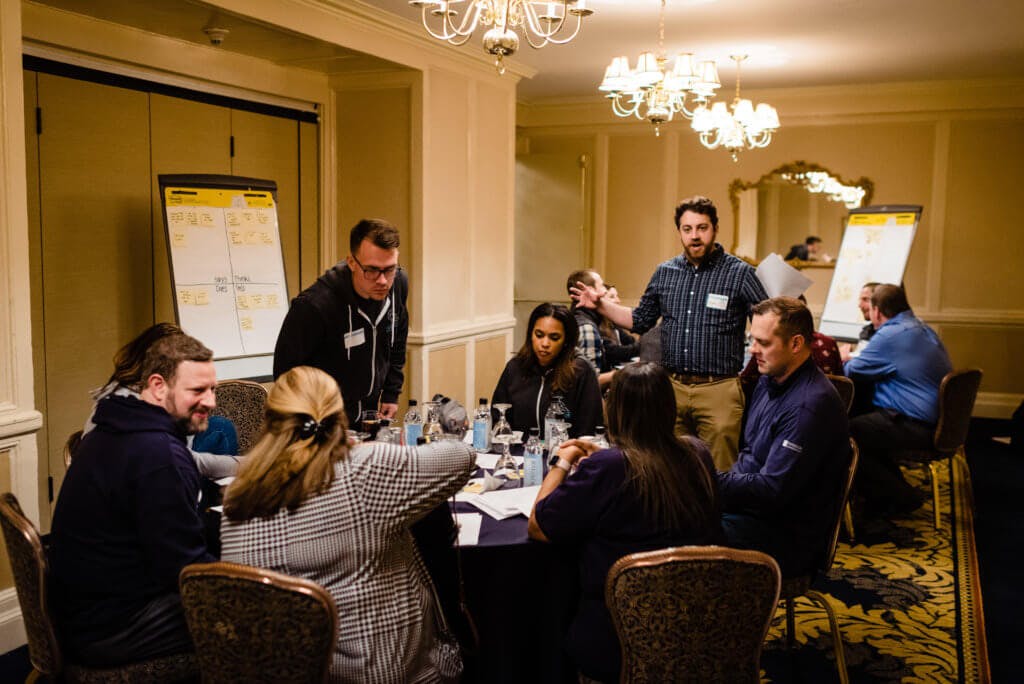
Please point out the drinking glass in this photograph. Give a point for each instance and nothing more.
(501, 427)
(433, 430)
(369, 422)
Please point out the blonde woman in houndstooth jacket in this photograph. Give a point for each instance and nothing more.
(307, 505)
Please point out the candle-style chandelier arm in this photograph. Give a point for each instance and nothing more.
(555, 23)
(455, 35)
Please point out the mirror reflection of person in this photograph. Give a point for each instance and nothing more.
(809, 250)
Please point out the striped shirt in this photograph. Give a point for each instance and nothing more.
(590, 346)
(704, 312)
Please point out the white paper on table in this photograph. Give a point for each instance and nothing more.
(488, 461)
(780, 279)
(1002, 440)
(224, 481)
(506, 503)
(469, 528)
(219, 509)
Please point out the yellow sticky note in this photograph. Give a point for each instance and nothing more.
(202, 297)
(255, 301)
(206, 219)
(233, 218)
(178, 239)
(262, 218)
(236, 237)
(267, 238)
(243, 301)
(246, 323)
(252, 237)
(186, 297)
(271, 301)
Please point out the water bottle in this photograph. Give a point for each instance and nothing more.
(482, 427)
(599, 437)
(413, 424)
(533, 459)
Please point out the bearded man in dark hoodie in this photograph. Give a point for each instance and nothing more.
(127, 518)
(352, 323)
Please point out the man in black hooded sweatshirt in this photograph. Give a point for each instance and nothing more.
(352, 323)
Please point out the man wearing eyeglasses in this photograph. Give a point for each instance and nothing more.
(352, 323)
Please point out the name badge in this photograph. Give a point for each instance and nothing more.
(717, 301)
(355, 338)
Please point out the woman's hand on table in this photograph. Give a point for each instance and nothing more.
(575, 450)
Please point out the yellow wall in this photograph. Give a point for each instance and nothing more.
(962, 166)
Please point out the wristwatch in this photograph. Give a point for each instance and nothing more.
(559, 462)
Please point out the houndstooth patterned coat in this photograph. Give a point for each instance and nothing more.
(354, 541)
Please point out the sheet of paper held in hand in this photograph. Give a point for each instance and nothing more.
(780, 279)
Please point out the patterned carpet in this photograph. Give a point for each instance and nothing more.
(907, 597)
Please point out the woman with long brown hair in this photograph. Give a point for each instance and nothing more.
(545, 367)
(307, 505)
(649, 491)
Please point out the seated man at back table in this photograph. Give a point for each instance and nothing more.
(781, 495)
(126, 520)
(906, 361)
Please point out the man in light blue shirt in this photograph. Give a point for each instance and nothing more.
(906, 362)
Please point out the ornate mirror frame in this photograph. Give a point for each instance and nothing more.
(797, 169)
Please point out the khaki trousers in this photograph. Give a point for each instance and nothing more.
(712, 411)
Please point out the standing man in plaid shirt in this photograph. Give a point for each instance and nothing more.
(703, 297)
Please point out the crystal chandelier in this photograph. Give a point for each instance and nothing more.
(739, 126)
(654, 93)
(540, 22)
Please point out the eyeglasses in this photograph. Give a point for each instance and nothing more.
(372, 273)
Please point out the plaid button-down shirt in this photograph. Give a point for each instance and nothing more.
(704, 312)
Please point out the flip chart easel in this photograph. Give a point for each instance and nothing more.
(876, 246)
(227, 267)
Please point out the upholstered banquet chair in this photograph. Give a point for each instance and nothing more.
(845, 387)
(28, 563)
(242, 402)
(800, 586)
(255, 625)
(693, 613)
(957, 394)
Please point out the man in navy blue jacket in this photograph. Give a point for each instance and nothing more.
(782, 493)
(126, 520)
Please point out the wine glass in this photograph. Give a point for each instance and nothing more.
(502, 435)
(502, 427)
(433, 430)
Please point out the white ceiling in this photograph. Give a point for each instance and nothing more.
(791, 43)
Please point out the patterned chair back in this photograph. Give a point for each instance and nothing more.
(28, 564)
(957, 393)
(693, 613)
(250, 624)
(844, 386)
(851, 472)
(243, 403)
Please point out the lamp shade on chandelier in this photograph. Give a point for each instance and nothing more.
(739, 126)
(541, 23)
(654, 92)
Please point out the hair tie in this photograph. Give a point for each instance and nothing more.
(309, 428)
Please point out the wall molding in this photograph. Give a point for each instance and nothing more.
(996, 404)
(461, 331)
(973, 317)
(12, 627)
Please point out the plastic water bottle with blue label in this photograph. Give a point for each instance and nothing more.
(412, 424)
(533, 459)
(482, 427)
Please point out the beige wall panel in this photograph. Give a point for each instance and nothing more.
(35, 259)
(309, 204)
(448, 372)
(637, 218)
(489, 362)
(6, 578)
(187, 137)
(267, 147)
(490, 266)
(446, 197)
(984, 245)
(994, 349)
(374, 168)
(96, 240)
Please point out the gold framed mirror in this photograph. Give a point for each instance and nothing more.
(783, 207)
